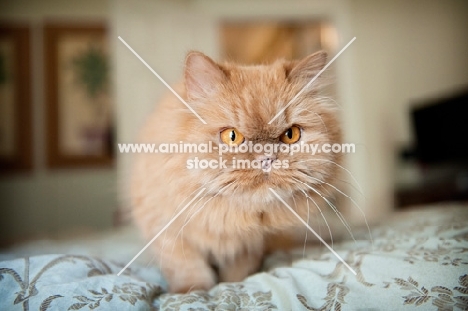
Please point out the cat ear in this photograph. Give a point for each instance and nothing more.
(306, 69)
(202, 75)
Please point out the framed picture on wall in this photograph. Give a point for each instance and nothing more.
(78, 98)
(15, 99)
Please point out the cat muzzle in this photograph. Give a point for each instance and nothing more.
(266, 161)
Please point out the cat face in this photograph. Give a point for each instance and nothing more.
(238, 103)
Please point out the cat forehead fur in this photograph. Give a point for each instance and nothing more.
(248, 97)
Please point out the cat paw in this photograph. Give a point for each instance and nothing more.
(190, 285)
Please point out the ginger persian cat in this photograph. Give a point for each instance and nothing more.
(223, 235)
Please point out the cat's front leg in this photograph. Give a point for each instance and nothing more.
(185, 268)
(238, 269)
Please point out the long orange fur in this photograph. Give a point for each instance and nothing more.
(230, 225)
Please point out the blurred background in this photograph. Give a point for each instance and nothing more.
(70, 90)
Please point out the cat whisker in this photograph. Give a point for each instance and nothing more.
(294, 200)
(323, 123)
(321, 213)
(333, 207)
(201, 198)
(307, 230)
(320, 117)
(353, 201)
(308, 218)
(340, 166)
(325, 190)
(220, 191)
(164, 243)
(199, 188)
(199, 209)
(173, 214)
(181, 231)
(185, 222)
(236, 187)
(193, 207)
(306, 172)
(328, 99)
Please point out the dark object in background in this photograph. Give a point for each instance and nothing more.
(15, 99)
(440, 152)
(441, 130)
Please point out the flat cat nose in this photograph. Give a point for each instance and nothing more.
(266, 160)
(262, 157)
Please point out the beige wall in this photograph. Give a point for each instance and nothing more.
(162, 32)
(43, 200)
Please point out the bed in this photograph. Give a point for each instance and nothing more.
(418, 259)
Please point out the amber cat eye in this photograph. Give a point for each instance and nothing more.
(291, 135)
(231, 136)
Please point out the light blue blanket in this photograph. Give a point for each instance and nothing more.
(419, 260)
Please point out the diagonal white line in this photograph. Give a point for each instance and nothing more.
(162, 230)
(161, 79)
(313, 79)
(313, 231)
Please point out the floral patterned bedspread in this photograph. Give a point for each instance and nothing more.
(417, 260)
